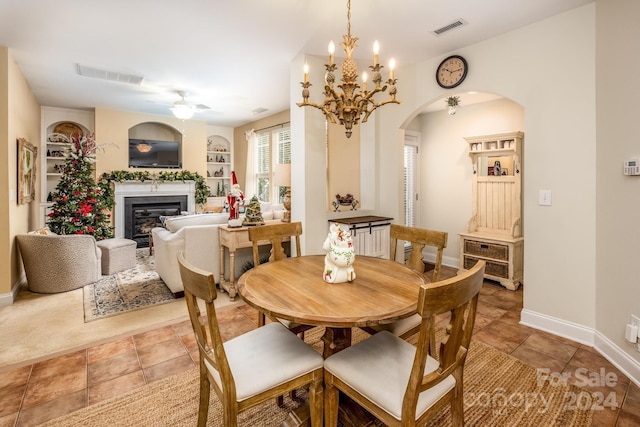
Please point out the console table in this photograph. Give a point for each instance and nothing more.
(234, 238)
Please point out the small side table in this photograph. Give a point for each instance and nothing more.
(234, 238)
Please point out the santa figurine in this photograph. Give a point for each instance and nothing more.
(235, 198)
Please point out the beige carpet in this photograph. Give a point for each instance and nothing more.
(499, 391)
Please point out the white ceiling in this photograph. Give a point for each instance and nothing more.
(231, 55)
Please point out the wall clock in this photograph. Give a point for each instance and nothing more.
(451, 71)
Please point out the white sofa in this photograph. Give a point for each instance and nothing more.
(197, 235)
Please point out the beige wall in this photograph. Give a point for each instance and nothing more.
(19, 118)
(112, 128)
(618, 203)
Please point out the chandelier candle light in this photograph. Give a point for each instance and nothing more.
(350, 106)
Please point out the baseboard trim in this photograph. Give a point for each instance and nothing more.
(587, 336)
(619, 357)
(7, 299)
(553, 325)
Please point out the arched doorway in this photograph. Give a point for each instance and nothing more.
(445, 167)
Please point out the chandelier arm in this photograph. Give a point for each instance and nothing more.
(322, 107)
(376, 105)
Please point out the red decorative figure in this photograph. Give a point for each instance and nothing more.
(234, 198)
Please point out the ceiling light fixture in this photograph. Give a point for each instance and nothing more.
(143, 147)
(182, 109)
(350, 106)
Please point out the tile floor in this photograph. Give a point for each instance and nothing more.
(44, 390)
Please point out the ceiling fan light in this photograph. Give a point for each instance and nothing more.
(183, 111)
(143, 147)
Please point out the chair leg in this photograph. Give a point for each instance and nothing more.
(205, 390)
(316, 401)
(457, 403)
(331, 396)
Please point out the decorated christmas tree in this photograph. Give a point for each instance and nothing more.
(79, 205)
(252, 214)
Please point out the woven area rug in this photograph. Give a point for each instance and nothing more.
(128, 290)
(499, 391)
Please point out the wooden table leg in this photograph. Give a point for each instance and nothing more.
(335, 339)
(228, 286)
(221, 267)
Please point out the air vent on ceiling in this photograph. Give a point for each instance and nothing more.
(258, 110)
(455, 24)
(113, 76)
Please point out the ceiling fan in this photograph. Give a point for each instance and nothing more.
(185, 110)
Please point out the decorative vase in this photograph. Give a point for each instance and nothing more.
(338, 262)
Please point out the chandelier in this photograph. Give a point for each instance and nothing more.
(351, 105)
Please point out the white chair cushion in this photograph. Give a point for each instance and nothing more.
(401, 326)
(379, 368)
(266, 357)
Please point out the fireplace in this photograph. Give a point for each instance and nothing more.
(142, 214)
(149, 193)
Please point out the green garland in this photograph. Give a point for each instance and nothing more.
(107, 178)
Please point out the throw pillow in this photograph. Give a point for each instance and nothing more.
(44, 231)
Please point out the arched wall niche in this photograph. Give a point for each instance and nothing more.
(155, 131)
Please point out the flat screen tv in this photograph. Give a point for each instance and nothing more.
(147, 153)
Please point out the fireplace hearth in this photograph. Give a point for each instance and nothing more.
(142, 214)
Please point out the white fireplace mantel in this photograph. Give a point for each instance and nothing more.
(126, 189)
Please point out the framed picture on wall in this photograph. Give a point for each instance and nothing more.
(26, 171)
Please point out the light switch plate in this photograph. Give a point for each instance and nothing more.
(544, 198)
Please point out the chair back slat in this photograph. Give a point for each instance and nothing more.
(276, 234)
(419, 238)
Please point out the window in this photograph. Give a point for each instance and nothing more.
(263, 159)
(411, 180)
(272, 164)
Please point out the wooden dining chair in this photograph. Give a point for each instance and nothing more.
(276, 234)
(419, 238)
(401, 384)
(252, 368)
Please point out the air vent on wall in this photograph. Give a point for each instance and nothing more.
(455, 24)
(113, 76)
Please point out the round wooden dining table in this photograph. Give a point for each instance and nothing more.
(294, 289)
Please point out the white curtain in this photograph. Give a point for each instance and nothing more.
(250, 177)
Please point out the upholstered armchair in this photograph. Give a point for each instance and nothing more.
(55, 263)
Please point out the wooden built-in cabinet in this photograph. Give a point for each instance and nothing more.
(494, 231)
